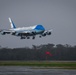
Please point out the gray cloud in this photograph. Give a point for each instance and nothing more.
(59, 15)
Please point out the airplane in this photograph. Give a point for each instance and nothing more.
(26, 32)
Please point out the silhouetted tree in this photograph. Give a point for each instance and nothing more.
(59, 52)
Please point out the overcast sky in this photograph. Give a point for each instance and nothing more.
(59, 15)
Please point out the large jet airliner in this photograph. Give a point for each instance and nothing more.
(26, 32)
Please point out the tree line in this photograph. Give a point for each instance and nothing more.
(41, 52)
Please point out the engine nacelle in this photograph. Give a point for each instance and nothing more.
(3, 33)
(17, 34)
(34, 33)
(48, 33)
(44, 34)
(14, 33)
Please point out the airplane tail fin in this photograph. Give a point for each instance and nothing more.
(12, 24)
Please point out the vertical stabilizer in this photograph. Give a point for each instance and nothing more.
(11, 23)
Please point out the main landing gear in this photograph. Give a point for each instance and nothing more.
(22, 37)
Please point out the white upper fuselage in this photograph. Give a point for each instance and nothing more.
(27, 29)
(23, 28)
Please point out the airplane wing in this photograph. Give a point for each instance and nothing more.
(17, 33)
(3, 32)
(23, 33)
(47, 32)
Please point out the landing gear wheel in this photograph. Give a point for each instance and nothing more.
(33, 37)
(28, 37)
(40, 36)
(22, 38)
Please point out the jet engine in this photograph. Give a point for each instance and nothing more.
(3, 33)
(49, 32)
(17, 34)
(13, 33)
